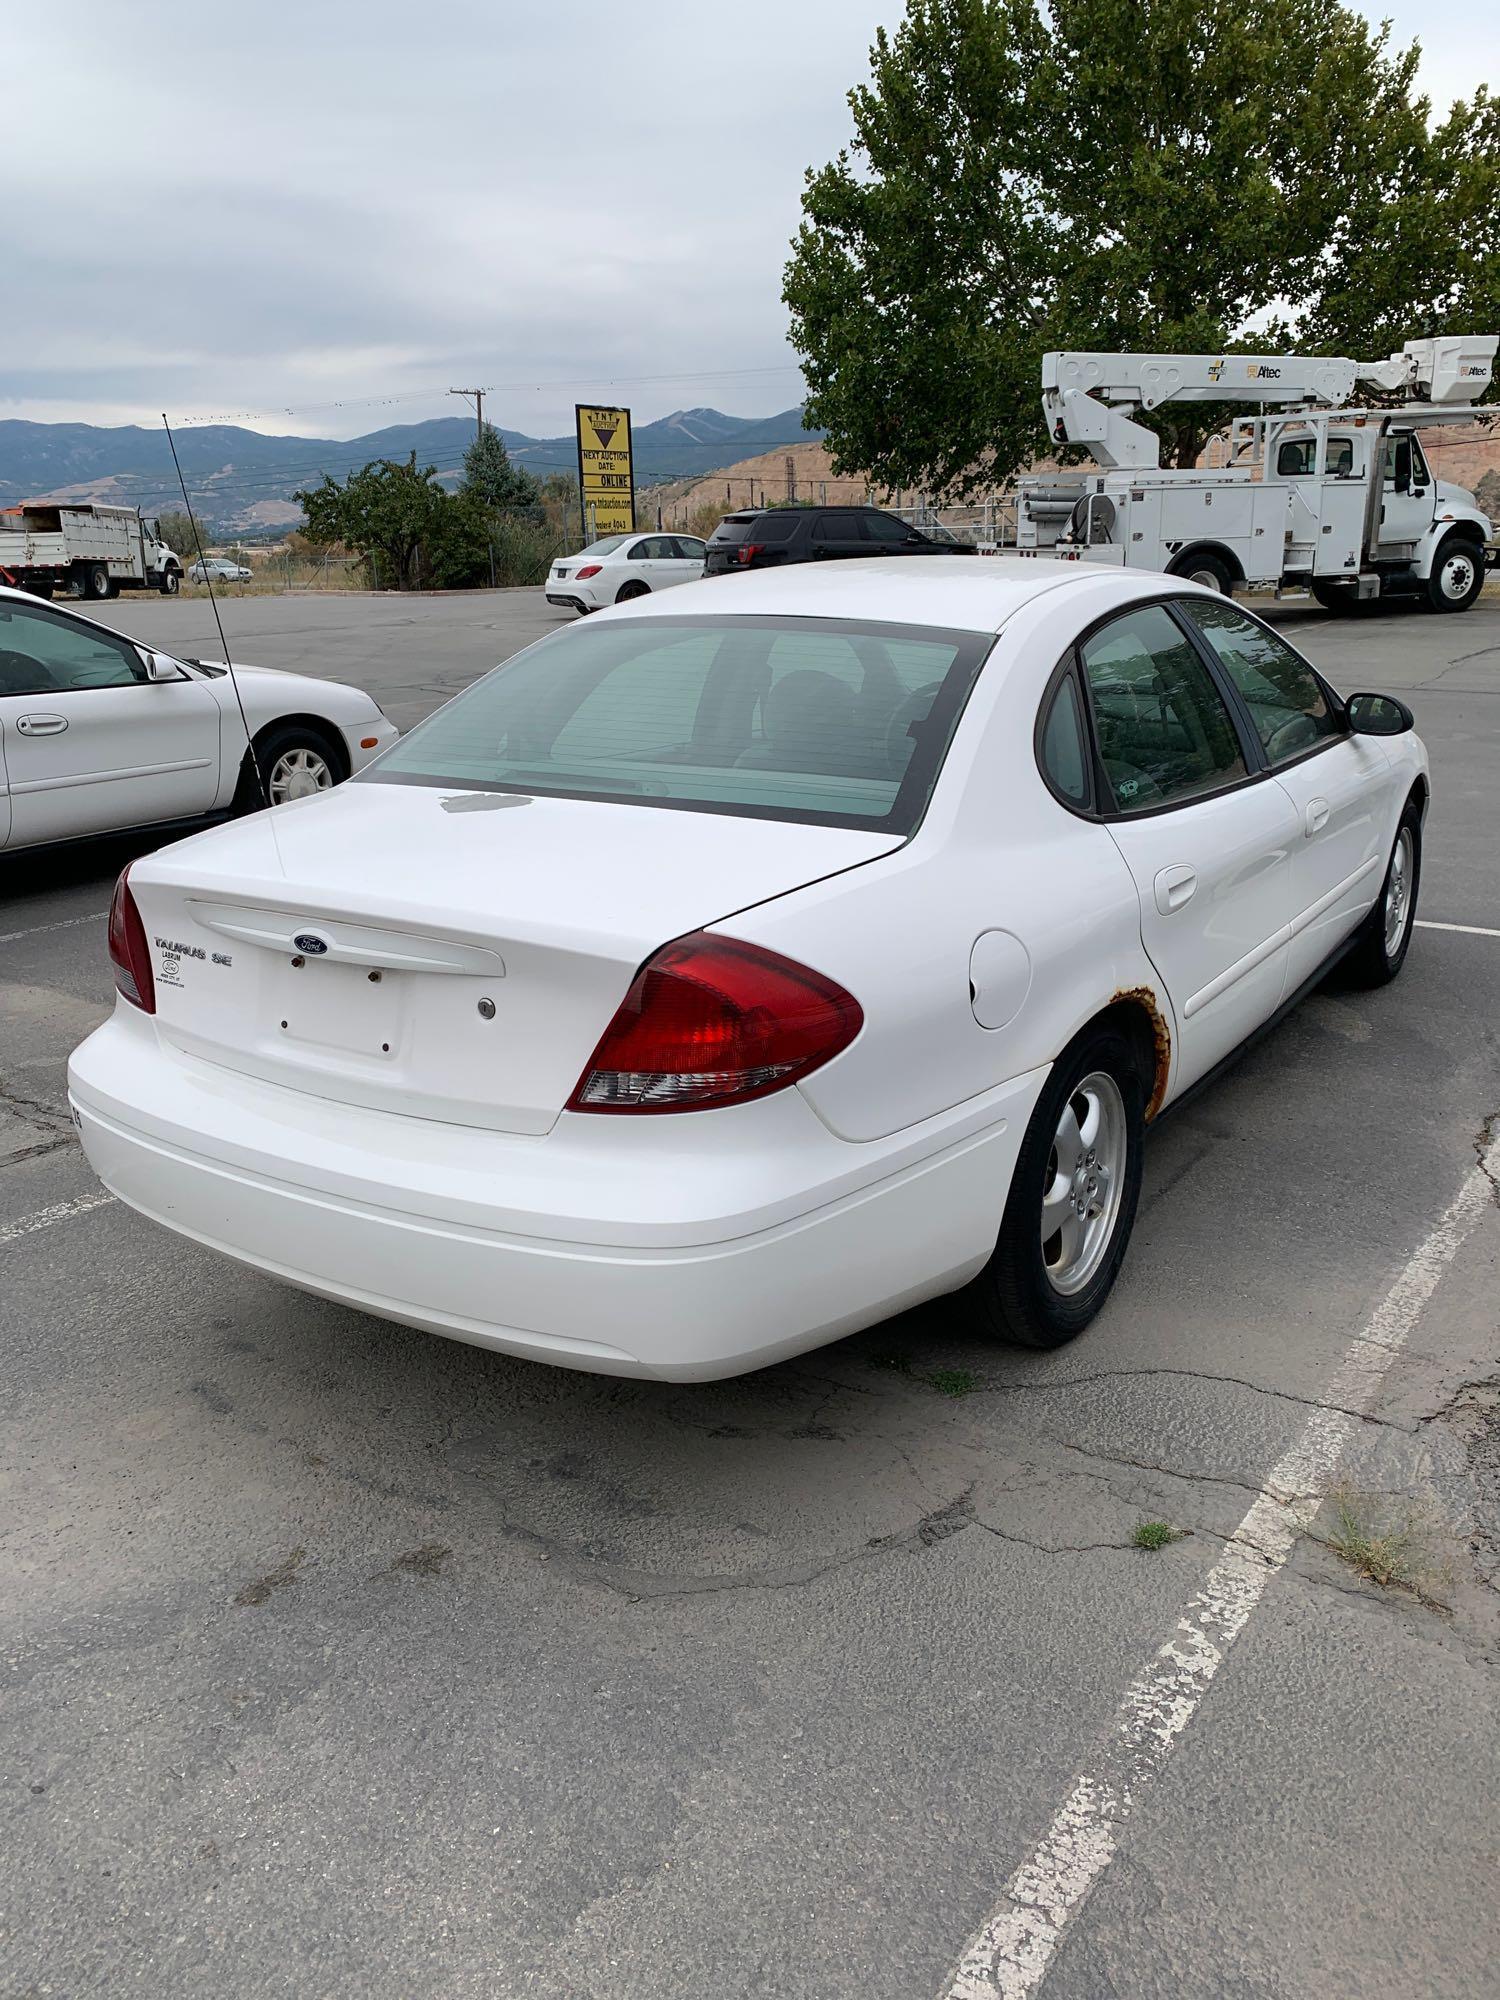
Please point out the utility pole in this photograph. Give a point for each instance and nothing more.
(478, 396)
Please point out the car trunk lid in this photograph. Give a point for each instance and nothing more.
(444, 954)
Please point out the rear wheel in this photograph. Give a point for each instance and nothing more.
(1207, 569)
(1385, 934)
(628, 590)
(1457, 575)
(40, 586)
(1072, 1200)
(96, 580)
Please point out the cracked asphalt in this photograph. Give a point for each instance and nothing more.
(344, 1661)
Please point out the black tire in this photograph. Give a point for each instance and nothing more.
(1015, 1298)
(1335, 597)
(1206, 568)
(276, 742)
(40, 586)
(1374, 961)
(96, 580)
(629, 590)
(171, 582)
(1457, 574)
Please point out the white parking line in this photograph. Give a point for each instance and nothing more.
(1010, 1956)
(62, 924)
(60, 1211)
(1469, 930)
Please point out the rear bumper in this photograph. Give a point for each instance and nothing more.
(737, 1239)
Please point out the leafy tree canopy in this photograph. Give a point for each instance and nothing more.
(389, 511)
(177, 532)
(1190, 175)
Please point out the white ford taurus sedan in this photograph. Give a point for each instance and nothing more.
(722, 975)
(98, 734)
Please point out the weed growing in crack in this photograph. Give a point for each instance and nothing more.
(1155, 1534)
(952, 1381)
(1385, 1548)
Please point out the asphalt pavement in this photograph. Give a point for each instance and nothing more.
(345, 1661)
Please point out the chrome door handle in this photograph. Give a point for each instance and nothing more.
(1174, 887)
(41, 725)
(1316, 816)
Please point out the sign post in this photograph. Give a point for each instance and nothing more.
(606, 473)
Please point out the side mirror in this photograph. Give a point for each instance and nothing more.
(160, 666)
(1378, 715)
(1403, 465)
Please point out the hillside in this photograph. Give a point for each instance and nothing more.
(243, 480)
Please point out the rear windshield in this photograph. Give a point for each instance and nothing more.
(604, 548)
(734, 529)
(829, 721)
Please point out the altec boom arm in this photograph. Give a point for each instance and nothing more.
(1085, 396)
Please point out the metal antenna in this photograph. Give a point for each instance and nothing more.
(260, 780)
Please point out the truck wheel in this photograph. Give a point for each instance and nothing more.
(1457, 575)
(40, 586)
(171, 582)
(96, 580)
(1206, 569)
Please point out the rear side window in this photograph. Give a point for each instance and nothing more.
(829, 721)
(688, 548)
(1065, 762)
(1296, 458)
(844, 527)
(1286, 701)
(1163, 731)
(777, 527)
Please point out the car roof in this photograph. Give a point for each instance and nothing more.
(971, 594)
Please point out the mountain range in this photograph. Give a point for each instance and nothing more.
(242, 480)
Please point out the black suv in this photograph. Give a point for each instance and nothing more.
(774, 535)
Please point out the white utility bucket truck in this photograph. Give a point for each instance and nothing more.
(1315, 497)
(85, 550)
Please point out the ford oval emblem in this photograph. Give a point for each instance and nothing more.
(310, 943)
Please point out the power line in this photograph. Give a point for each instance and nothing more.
(503, 389)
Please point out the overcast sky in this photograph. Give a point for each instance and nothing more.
(317, 219)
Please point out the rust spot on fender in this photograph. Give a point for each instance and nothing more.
(1161, 1036)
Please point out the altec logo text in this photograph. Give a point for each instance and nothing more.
(1261, 373)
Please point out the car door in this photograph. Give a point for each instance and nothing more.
(90, 744)
(1406, 498)
(1340, 784)
(1206, 838)
(837, 533)
(688, 565)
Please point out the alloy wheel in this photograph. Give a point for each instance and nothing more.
(297, 774)
(1398, 893)
(1085, 1177)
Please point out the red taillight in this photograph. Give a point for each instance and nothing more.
(127, 947)
(711, 1021)
(747, 551)
(589, 569)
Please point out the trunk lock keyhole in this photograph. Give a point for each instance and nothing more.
(486, 1009)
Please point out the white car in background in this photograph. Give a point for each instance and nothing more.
(724, 974)
(98, 734)
(218, 569)
(620, 567)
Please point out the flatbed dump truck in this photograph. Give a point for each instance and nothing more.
(85, 550)
(1318, 497)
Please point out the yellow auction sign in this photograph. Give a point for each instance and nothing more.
(606, 476)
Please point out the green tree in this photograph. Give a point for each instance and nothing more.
(491, 478)
(388, 512)
(177, 532)
(1191, 175)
